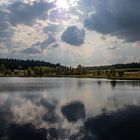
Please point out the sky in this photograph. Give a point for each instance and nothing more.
(72, 32)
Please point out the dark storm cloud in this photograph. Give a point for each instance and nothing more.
(117, 18)
(73, 36)
(32, 50)
(24, 13)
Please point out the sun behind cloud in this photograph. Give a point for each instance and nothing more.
(62, 4)
(66, 4)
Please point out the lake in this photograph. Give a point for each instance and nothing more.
(69, 108)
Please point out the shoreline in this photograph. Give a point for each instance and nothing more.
(75, 76)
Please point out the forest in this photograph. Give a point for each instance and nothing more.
(36, 68)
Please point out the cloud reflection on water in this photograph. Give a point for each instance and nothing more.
(68, 111)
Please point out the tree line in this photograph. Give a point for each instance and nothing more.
(116, 66)
(13, 64)
(15, 67)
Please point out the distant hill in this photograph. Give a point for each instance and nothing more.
(24, 64)
(116, 66)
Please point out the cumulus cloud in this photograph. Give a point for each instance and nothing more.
(121, 19)
(55, 45)
(32, 26)
(52, 28)
(3, 49)
(86, 6)
(49, 41)
(24, 13)
(3, 24)
(112, 47)
(73, 36)
(15, 14)
(57, 14)
(32, 50)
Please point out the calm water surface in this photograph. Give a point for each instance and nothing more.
(68, 108)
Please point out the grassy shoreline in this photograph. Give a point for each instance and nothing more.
(76, 76)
